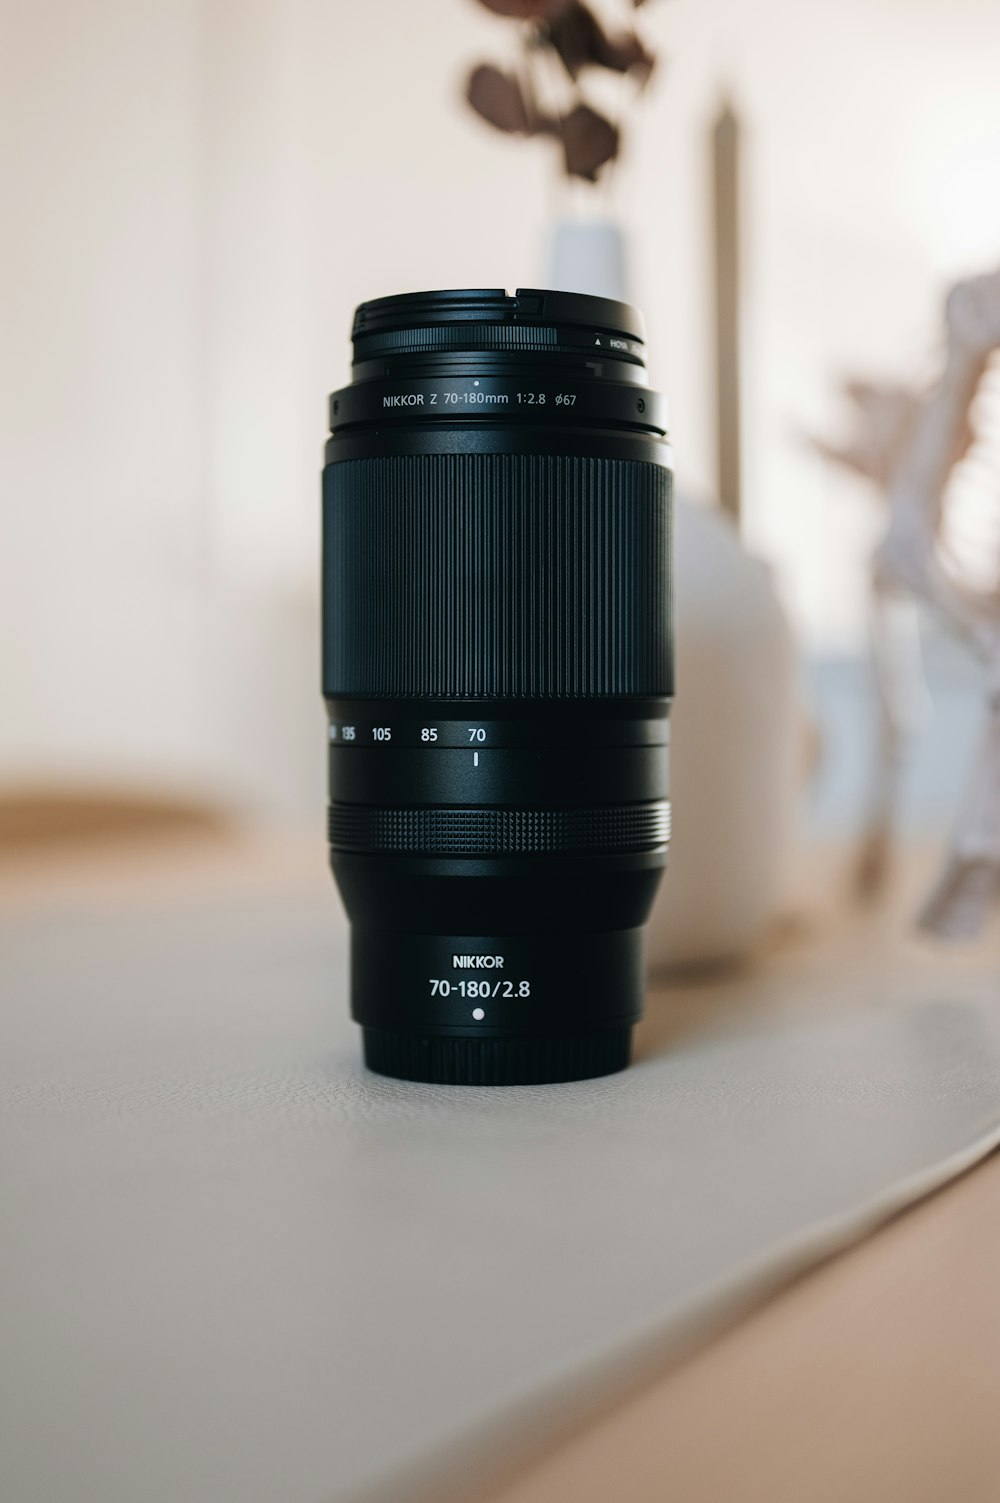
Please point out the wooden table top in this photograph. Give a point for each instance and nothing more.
(876, 1377)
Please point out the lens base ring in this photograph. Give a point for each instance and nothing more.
(440, 1060)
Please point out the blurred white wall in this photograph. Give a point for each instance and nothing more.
(103, 488)
(196, 193)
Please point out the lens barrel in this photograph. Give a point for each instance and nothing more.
(498, 668)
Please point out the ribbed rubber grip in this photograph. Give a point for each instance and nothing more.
(484, 576)
(444, 1060)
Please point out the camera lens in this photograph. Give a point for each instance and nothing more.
(497, 668)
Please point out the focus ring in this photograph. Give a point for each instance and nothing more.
(618, 829)
(459, 337)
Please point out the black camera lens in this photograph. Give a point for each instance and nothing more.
(497, 667)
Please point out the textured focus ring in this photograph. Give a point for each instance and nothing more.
(460, 337)
(617, 829)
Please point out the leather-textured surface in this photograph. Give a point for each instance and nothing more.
(237, 1266)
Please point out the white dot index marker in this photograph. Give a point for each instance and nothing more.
(478, 1014)
(475, 383)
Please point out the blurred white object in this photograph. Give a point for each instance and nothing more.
(911, 556)
(913, 457)
(587, 255)
(734, 748)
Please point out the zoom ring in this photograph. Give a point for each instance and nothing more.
(496, 576)
(615, 830)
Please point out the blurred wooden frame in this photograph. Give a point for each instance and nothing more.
(37, 818)
(726, 242)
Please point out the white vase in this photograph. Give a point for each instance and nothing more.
(735, 724)
(735, 742)
(587, 255)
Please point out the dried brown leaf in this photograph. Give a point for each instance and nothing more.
(498, 98)
(581, 41)
(589, 142)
